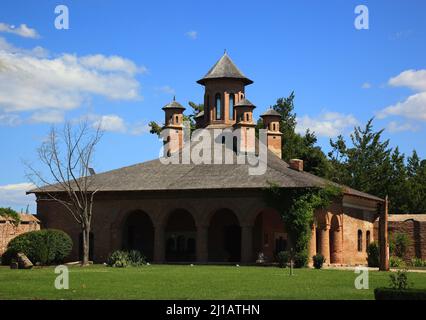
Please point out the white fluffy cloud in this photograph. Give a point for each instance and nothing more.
(111, 122)
(30, 82)
(192, 34)
(23, 30)
(48, 116)
(328, 124)
(114, 123)
(413, 107)
(395, 126)
(13, 195)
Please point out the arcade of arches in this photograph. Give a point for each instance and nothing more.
(222, 238)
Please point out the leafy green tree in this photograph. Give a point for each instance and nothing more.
(366, 165)
(296, 145)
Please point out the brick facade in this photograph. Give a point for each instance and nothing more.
(8, 230)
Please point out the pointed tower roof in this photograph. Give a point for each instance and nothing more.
(270, 112)
(225, 68)
(244, 103)
(173, 105)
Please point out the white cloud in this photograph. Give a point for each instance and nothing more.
(192, 34)
(366, 85)
(111, 122)
(394, 127)
(9, 119)
(49, 116)
(23, 30)
(413, 107)
(29, 82)
(328, 124)
(166, 89)
(13, 195)
(413, 79)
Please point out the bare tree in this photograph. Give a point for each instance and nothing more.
(66, 157)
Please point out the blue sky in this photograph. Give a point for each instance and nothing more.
(121, 61)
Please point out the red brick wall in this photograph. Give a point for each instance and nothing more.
(8, 231)
(416, 232)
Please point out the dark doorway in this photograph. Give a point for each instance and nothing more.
(180, 237)
(224, 243)
(138, 234)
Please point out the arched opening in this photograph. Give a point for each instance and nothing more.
(269, 235)
(224, 238)
(359, 241)
(180, 236)
(231, 106)
(138, 234)
(218, 106)
(367, 239)
(335, 239)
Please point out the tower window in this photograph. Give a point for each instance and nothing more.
(359, 240)
(177, 119)
(367, 240)
(247, 117)
(218, 106)
(231, 106)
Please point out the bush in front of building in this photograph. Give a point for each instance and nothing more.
(396, 262)
(44, 247)
(301, 259)
(123, 259)
(418, 263)
(373, 257)
(398, 244)
(318, 260)
(283, 258)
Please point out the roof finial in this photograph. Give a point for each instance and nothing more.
(174, 98)
(224, 51)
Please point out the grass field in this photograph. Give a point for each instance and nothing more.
(186, 282)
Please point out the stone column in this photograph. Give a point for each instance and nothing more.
(202, 244)
(336, 254)
(325, 243)
(159, 248)
(247, 244)
(312, 244)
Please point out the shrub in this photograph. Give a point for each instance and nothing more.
(392, 294)
(318, 260)
(136, 258)
(398, 244)
(122, 259)
(396, 262)
(283, 258)
(46, 247)
(417, 262)
(118, 259)
(399, 280)
(373, 258)
(300, 259)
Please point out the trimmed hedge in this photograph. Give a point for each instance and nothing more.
(395, 294)
(45, 247)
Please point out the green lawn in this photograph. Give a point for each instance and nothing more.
(186, 282)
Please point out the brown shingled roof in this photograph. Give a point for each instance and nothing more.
(225, 68)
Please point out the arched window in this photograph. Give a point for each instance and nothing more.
(235, 144)
(218, 106)
(367, 239)
(231, 106)
(359, 240)
(177, 119)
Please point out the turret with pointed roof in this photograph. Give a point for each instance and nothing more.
(224, 88)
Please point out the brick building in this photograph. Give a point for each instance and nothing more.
(9, 230)
(213, 212)
(414, 226)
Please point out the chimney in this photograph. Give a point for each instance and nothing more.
(296, 164)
